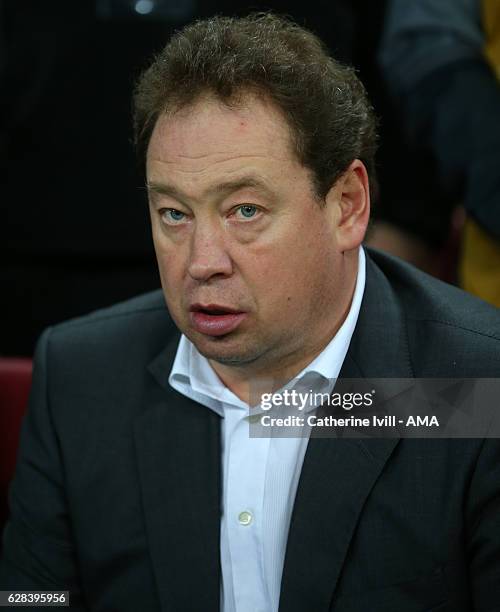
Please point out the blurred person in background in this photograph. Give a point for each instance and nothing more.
(441, 62)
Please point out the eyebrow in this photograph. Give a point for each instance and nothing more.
(220, 189)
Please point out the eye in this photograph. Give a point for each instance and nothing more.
(247, 211)
(172, 216)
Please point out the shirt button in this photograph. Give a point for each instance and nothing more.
(244, 518)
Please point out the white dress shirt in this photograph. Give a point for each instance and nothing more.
(260, 475)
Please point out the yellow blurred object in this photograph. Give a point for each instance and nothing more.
(491, 24)
(480, 263)
(479, 267)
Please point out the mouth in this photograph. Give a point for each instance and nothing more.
(215, 319)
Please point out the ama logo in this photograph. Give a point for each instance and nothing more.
(422, 421)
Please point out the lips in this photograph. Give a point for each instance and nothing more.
(215, 319)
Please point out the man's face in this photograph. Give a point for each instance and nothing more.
(248, 257)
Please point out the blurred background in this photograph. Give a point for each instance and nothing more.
(74, 230)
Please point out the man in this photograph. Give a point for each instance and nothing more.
(138, 486)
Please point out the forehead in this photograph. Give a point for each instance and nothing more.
(210, 131)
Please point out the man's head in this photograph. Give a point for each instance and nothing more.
(324, 103)
(256, 145)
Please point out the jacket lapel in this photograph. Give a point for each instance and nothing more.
(338, 474)
(178, 453)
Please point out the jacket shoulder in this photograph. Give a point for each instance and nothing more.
(450, 332)
(140, 305)
(138, 325)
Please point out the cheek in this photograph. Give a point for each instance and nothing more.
(302, 266)
(284, 260)
(277, 282)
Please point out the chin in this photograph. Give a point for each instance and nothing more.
(223, 351)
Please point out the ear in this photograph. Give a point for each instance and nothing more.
(351, 194)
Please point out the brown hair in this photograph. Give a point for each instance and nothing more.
(325, 104)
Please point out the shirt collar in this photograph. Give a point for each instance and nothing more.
(193, 375)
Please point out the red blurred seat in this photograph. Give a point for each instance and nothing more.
(15, 383)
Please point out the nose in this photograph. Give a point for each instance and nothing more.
(208, 253)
